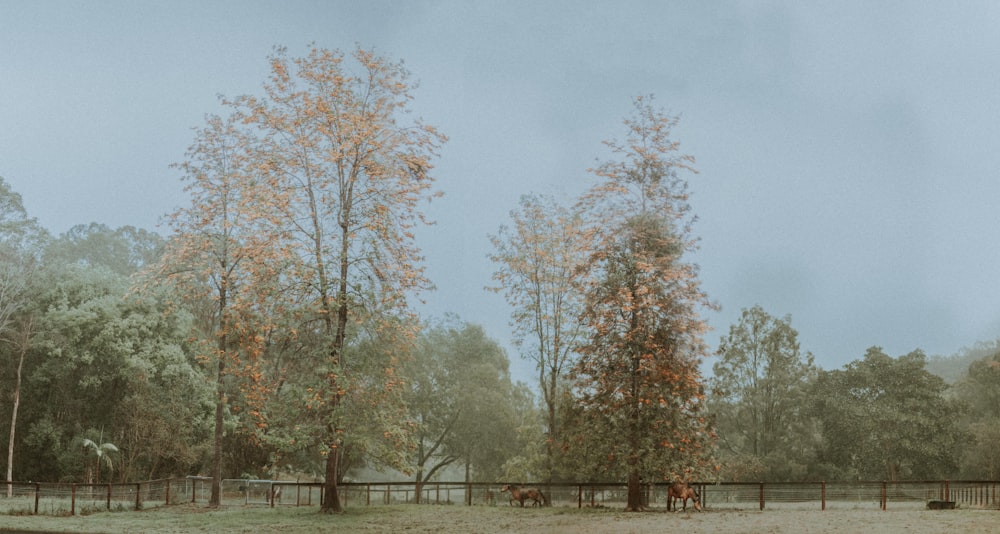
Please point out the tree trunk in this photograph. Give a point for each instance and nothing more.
(553, 434)
(634, 491)
(331, 498)
(331, 501)
(13, 421)
(634, 487)
(417, 482)
(216, 498)
(220, 402)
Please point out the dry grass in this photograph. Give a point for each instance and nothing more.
(482, 519)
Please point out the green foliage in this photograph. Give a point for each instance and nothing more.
(758, 395)
(465, 409)
(954, 368)
(125, 251)
(18, 231)
(103, 456)
(292, 429)
(979, 389)
(104, 358)
(886, 418)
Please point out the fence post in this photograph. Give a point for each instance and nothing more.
(38, 490)
(822, 494)
(138, 496)
(762, 496)
(946, 496)
(884, 496)
(72, 499)
(109, 496)
(468, 494)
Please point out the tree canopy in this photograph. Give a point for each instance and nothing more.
(638, 384)
(886, 418)
(759, 391)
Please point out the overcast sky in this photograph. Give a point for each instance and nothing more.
(848, 153)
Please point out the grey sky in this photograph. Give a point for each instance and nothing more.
(848, 151)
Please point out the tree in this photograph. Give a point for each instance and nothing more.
(20, 243)
(759, 392)
(979, 391)
(102, 454)
(103, 357)
(126, 250)
(637, 375)
(459, 394)
(346, 172)
(218, 260)
(886, 418)
(22, 344)
(537, 261)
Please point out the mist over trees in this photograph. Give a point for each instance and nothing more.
(759, 390)
(272, 333)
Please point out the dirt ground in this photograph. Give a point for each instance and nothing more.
(504, 519)
(730, 521)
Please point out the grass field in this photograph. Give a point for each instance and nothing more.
(483, 519)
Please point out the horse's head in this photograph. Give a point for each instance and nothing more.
(696, 497)
(505, 487)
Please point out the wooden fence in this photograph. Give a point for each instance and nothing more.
(71, 499)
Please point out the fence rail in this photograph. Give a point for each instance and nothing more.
(70, 499)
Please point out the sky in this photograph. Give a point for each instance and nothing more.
(847, 152)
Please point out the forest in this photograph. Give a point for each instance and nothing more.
(272, 332)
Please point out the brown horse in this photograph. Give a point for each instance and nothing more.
(680, 490)
(521, 494)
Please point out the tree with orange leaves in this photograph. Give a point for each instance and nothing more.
(637, 382)
(346, 170)
(537, 261)
(218, 260)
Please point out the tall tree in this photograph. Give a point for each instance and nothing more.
(886, 418)
(218, 260)
(104, 358)
(21, 243)
(537, 260)
(458, 394)
(125, 250)
(21, 240)
(638, 371)
(979, 390)
(348, 171)
(759, 394)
